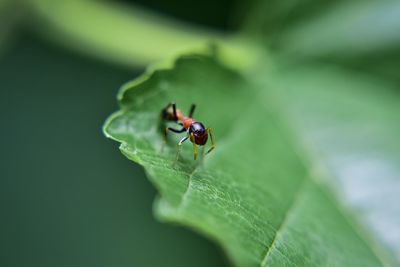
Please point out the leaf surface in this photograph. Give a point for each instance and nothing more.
(257, 194)
(348, 123)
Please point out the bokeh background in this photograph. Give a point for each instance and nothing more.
(68, 196)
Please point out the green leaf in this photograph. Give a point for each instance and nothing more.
(359, 35)
(258, 194)
(349, 124)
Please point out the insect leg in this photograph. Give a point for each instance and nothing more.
(172, 130)
(209, 131)
(194, 151)
(174, 111)
(179, 147)
(194, 147)
(192, 108)
(176, 130)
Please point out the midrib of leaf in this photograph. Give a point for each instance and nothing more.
(306, 156)
(187, 191)
(318, 175)
(280, 228)
(239, 125)
(312, 156)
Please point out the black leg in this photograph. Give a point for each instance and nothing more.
(192, 108)
(174, 110)
(173, 130)
(176, 130)
(166, 113)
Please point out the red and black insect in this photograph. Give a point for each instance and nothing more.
(196, 132)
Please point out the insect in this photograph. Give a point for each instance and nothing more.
(196, 132)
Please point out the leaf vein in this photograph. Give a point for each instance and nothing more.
(282, 225)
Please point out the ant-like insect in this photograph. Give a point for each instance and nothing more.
(196, 131)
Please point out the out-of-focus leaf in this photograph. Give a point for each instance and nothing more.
(360, 35)
(270, 18)
(257, 194)
(328, 27)
(381, 64)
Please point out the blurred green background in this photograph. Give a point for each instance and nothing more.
(69, 197)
